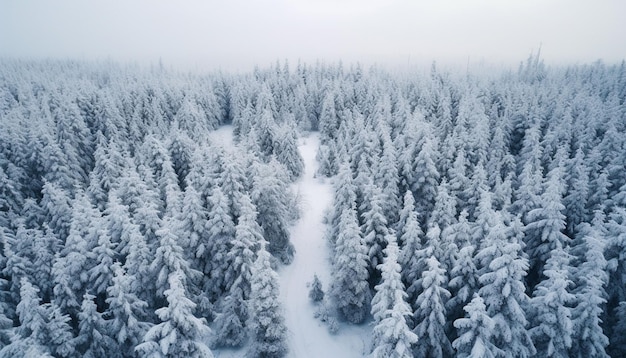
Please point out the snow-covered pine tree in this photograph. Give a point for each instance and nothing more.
(350, 288)
(125, 317)
(476, 332)
(271, 198)
(392, 336)
(316, 292)
(430, 313)
(589, 296)
(180, 333)
(269, 334)
(502, 269)
(232, 320)
(545, 226)
(93, 340)
(552, 328)
(374, 226)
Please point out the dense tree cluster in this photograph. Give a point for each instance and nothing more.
(504, 194)
(474, 215)
(124, 231)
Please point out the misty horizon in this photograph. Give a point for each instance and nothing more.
(237, 36)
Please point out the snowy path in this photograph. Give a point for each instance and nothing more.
(308, 337)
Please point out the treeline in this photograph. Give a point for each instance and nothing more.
(480, 216)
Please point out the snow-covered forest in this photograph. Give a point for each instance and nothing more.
(474, 214)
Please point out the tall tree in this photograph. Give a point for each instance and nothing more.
(350, 288)
(392, 335)
(180, 333)
(267, 323)
(430, 314)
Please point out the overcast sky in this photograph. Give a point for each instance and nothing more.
(237, 34)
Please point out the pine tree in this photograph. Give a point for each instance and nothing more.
(392, 335)
(30, 339)
(211, 253)
(169, 259)
(375, 224)
(476, 332)
(316, 293)
(180, 333)
(589, 339)
(463, 284)
(125, 315)
(350, 288)
(72, 264)
(286, 151)
(92, 340)
(104, 255)
(575, 201)
(502, 270)
(617, 347)
(267, 323)
(271, 198)
(57, 208)
(551, 318)
(430, 313)
(231, 322)
(410, 236)
(545, 226)
(386, 176)
(344, 196)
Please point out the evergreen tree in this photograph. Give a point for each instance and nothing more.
(286, 151)
(92, 340)
(180, 333)
(476, 332)
(30, 339)
(618, 340)
(392, 335)
(412, 250)
(271, 198)
(375, 224)
(502, 288)
(316, 293)
(169, 259)
(350, 288)
(267, 323)
(430, 313)
(344, 196)
(231, 322)
(463, 284)
(125, 313)
(212, 253)
(589, 297)
(545, 226)
(551, 319)
(101, 274)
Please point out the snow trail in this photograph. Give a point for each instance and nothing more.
(308, 337)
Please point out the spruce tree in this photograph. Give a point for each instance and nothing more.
(350, 288)
(392, 335)
(269, 334)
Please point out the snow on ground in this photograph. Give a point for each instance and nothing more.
(308, 337)
(223, 136)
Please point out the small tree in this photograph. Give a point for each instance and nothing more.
(316, 293)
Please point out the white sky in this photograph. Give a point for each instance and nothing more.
(237, 34)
